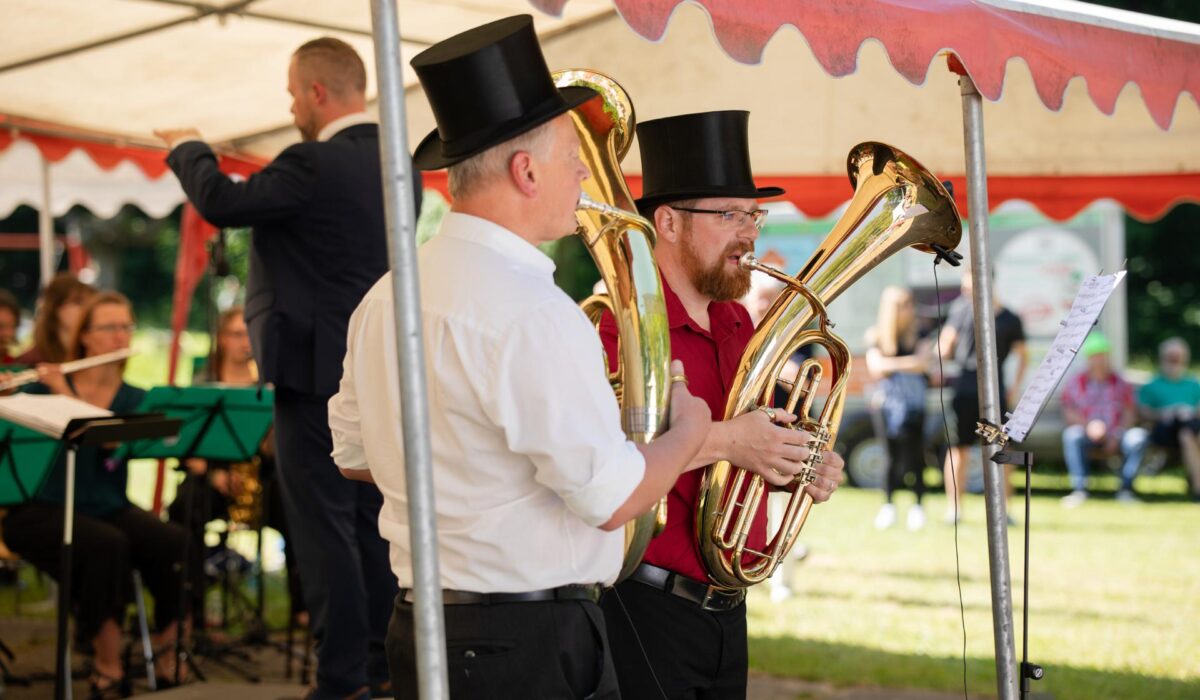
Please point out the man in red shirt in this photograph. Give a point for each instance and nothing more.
(673, 634)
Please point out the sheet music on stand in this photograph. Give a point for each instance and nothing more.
(1089, 302)
(48, 414)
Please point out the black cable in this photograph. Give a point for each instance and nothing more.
(962, 609)
(638, 638)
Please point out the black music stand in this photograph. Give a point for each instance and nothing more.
(218, 423)
(78, 433)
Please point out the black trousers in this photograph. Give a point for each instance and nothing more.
(349, 587)
(553, 650)
(692, 654)
(906, 455)
(104, 554)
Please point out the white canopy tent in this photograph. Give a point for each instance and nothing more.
(118, 69)
(125, 67)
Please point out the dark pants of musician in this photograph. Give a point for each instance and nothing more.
(556, 649)
(104, 553)
(692, 654)
(348, 582)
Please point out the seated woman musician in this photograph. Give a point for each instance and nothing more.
(112, 537)
(217, 492)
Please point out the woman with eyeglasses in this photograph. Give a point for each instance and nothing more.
(210, 485)
(112, 536)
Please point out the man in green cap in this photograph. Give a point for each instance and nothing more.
(1100, 414)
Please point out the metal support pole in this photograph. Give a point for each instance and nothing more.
(432, 679)
(995, 487)
(45, 230)
(62, 675)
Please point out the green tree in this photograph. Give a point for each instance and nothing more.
(1164, 280)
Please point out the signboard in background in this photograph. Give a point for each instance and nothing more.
(1038, 264)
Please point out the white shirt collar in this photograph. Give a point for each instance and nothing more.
(343, 122)
(474, 229)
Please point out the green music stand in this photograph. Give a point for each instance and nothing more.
(220, 423)
(26, 459)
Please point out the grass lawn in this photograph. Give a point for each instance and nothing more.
(1114, 598)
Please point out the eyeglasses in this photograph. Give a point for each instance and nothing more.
(733, 218)
(115, 328)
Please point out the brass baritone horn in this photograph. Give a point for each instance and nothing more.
(622, 244)
(897, 204)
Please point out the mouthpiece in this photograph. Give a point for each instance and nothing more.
(748, 261)
(589, 204)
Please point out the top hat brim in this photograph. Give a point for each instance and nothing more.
(702, 193)
(434, 154)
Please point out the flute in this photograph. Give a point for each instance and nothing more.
(30, 376)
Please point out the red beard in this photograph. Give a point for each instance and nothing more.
(717, 281)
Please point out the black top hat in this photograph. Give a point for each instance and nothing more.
(691, 156)
(486, 86)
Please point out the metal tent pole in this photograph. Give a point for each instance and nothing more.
(45, 230)
(432, 679)
(989, 390)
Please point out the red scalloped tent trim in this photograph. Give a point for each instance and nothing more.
(983, 36)
(1146, 197)
(151, 161)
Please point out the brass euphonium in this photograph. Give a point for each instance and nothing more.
(622, 244)
(897, 204)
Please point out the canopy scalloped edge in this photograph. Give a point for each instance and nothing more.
(983, 36)
(1145, 197)
(106, 151)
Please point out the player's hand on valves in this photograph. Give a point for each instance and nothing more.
(829, 473)
(761, 443)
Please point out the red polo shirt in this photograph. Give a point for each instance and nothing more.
(710, 360)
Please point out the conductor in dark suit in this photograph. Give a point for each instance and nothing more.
(318, 245)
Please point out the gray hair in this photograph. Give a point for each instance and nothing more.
(468, 175)
(1175, 343)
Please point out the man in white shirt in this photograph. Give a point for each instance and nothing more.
(533, 477)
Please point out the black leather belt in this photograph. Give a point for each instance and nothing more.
(709, 598)
(572, 592)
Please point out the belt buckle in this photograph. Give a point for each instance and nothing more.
(723, 595)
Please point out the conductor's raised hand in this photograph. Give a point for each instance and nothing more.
(174, 137)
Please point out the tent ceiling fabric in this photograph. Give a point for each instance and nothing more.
(804, 123)
(222, 73)
(1058, 40)
(225, 74)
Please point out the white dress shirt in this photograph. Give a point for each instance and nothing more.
(528, 453)
(343, 122)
